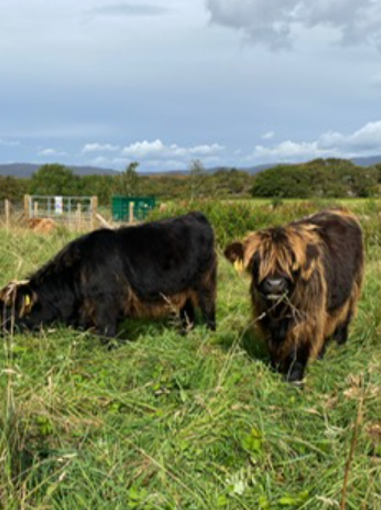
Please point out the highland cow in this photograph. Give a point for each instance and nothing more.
(100, 278)
(306, 281)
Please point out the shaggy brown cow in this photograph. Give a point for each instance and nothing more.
(306, 280)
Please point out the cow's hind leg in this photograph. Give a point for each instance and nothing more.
(187, 316)
(341, 332)
(106, 318)
(206, 294)
(208, 308)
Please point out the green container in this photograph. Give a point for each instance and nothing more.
(121, 207)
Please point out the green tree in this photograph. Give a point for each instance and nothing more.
(12, 188)
(98, 185)
(332, 178)
(55, 179)
(197, 179)
(128, 182)
(282, 181)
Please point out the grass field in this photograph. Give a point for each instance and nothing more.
(199, 422)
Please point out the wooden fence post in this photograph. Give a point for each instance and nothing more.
(93, 212)
(79, 216)
(7, 206)
(131, 213)
(27, 209)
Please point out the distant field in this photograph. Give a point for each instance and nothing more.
(165, 422)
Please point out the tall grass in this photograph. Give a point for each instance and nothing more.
(189, 423)
(233, 219)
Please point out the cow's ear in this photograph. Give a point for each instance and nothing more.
(26, 298)
(235, 253)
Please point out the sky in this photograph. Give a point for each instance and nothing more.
(166, 82)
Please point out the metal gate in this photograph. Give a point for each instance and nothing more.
(72, 210)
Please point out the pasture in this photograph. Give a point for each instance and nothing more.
(196, 422)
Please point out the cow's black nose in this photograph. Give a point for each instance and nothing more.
(275, 286)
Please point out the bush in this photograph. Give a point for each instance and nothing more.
(234, 219)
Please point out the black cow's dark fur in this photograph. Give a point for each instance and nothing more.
(106, 275)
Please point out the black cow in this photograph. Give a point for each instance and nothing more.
(107, 275)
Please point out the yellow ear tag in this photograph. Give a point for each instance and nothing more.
(27, 300)
(238, 265)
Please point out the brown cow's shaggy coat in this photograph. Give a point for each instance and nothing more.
(306, 281)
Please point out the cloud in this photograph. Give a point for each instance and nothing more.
(154, 155)
(287, 151)
(143, 149)
(51, 152)
(158, 150)
(275, 24)
(128, 10)
(366, 141)
(99, 147)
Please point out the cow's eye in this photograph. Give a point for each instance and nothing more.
(295, 273)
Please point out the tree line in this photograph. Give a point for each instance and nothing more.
(330, 178)
(56, 180)
(320, 178)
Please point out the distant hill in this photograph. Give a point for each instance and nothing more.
(26, 170)
(258, 168)
(367, 161)
(213, 170)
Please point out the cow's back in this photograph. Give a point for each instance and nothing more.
(166, 256)
(343, 253)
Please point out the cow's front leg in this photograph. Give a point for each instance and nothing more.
(107, 331)
(294, 365)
